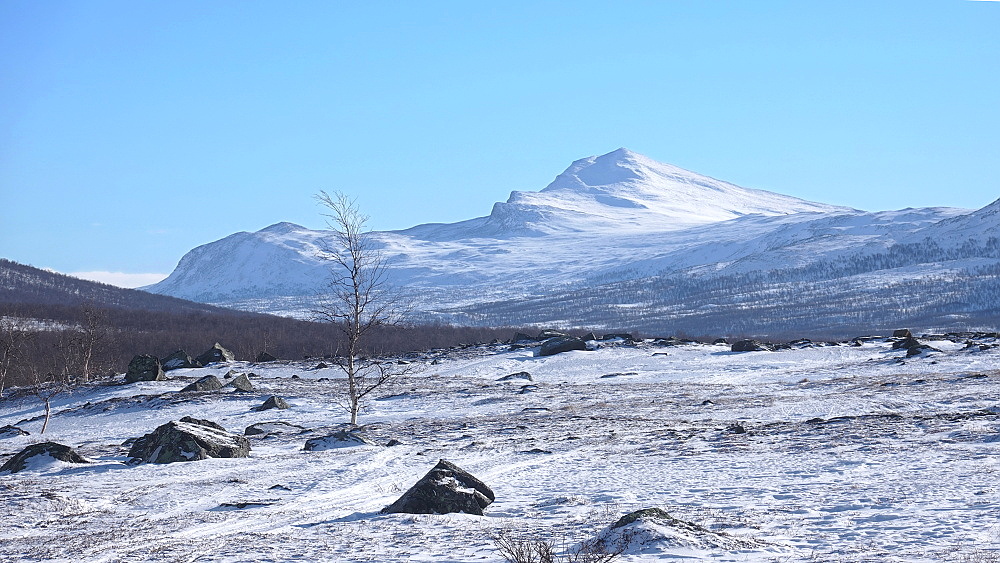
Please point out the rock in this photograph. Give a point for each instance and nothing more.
(521, 337)
(270, 428)
(721, 341)
(189, 439)
(215, 354)
(549, 333)
(50, 450)
(337, 440)
(617, 336)
(750, 346)
(561, 344)
(273, 402)
(919, 349)
(519, 375)
(445, 489)
(264, 357)
(12, 431)
(144, 368)
(906, 343)
(902, 333)
(589, 336)
(242, 383)
(650, 530)
(177, 360)
(207, 383)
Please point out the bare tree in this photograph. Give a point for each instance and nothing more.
(359, 298)
(12, 341)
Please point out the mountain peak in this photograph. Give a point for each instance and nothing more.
(282, 228)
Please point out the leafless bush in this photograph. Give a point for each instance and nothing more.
(516, 549)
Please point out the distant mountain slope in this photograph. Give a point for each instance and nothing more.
(23, 284)
(615, 225)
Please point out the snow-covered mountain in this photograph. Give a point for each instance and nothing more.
(608, 223)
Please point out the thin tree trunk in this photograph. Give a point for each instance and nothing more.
(48, 414)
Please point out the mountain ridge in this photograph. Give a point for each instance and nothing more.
(606, 222)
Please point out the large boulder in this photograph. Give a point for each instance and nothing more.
(561, 344)
(207, 383)
(177, 360)
(38, 453)
(188, 439)
(215, 354)
(241, 383)
(273, 402)
(750, 346)
(445, 489)
(902, 333)
(144, 368)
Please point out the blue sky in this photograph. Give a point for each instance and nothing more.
(131, 132)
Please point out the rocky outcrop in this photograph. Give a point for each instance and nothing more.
(445, 489)
(49, 450)
(215, 354)
(178, 360)
(207, 383)
(902, 333)
(144, 368)
(561, 344)
(189, 439)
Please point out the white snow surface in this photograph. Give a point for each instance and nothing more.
(851, 453)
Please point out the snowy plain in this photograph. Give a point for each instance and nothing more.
(819, 453)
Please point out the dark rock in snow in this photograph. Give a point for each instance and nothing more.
(189, 439)
(22, 459)
(270, 428)
(560, 345)
(919, 349)
(273, 402)
(445, 489)
(549, 333)
(215, 354)
(207, 383)
(144, 368)
(177, 360)
(11, 431)
(902, 333)
(905, 343)
(617, 336)
(264, 357)
(750, 346)
(722, 341)
(521, 337)
(519, 375)
(242, 383)
(339, 439)
(589, 336)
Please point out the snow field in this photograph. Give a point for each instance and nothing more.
(848, 454)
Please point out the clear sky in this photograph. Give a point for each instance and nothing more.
(133, 131)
